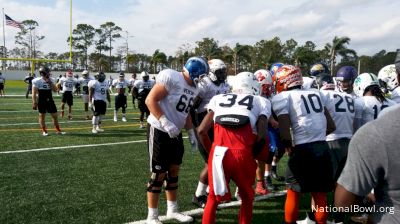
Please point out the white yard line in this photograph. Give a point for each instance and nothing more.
(70, 147)
(199, 211)
(61, 122)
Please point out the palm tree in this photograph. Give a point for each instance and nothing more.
(338, 47)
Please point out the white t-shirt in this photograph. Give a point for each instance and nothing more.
(100, 89)
(141, 85)
(396, 95)
(306, 111)
(176, 105)
(84, 83)
(67, 83)
(207, 89)
(341, 107)
(240, 104)
(368, 108)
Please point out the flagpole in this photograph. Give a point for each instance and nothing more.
(4, 42)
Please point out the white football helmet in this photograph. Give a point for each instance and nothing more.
(217, 70)
(388, 75)
(264, 77)
(363, 81)
(85, 73)
(246, 83)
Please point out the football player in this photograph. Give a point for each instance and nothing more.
(140, 91)
(42, 99)
(2, 84)
(120, 85)
(99, 96)
(67, 84)
(211, 85)
(371, 100)
(240, 123)
(169, 103)
(132, 81)
(84, 81)
(345, 77)
(309, 167)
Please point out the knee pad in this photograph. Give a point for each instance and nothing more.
(155, 183)
(172, 183)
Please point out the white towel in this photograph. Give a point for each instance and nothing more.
(220, 187)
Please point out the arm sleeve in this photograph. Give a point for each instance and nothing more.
(365, 164)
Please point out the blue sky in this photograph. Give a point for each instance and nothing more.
(168, 25)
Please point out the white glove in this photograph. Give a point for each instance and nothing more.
(193, 139)
(168, 126)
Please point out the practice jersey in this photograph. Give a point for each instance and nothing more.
(84, 83)
(2, 79)
(240, 104)
(132, 81)
(368, 108)
(179, 100)
(144, 86)
(120, 85)
(67, 83)
(342, 110)
(306, 111)
(44, 89)
(100, 89)
(207, 89)
(395, 95)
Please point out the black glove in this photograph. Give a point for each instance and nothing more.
(258, 146)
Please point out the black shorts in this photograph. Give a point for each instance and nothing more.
(45, 106)
(142, 106)
(68, 98)
(309, 168)
(338, 149)
(1, 86)
(99, 107)
(120, 101)
(163, 150)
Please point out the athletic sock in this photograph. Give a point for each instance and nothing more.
(172, 206)
(201, 189)
(292, 206)
(152, 213)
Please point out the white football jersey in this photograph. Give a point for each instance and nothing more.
(67, 84)
(240, 104)
(84, 83)
(132, 81)
(141, 85)
(176, 105)
(341, 107)
(41, 84)
(100, 89)
(207, 89)
(306, 111)
(120, 85)
(2, 79)
(395, 95)
(368, 108)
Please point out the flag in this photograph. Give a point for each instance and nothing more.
(11, 22)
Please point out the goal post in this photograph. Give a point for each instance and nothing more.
(36, 60)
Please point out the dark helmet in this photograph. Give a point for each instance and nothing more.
(318, 69)
(121, 76)
(325, 81)
(145, 75)
(44, 71)
(196, 67)
(347, 73)
(100, 76)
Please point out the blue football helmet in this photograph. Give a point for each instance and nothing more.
(196, 67)
(275, 67)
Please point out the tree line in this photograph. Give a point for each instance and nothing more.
(92, 49)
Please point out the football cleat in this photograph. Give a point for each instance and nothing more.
(123, 119)
(115, 119)
(94, 131)
(179, 216)
(260, 189)
(60, 133)
(199, 201)
(69, 117)
(153, 221)
(269, 185)
(276, 177)
(99, 129)
(45, 133)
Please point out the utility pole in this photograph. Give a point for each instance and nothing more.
(127, 50)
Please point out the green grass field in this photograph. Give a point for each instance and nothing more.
(89, 184)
